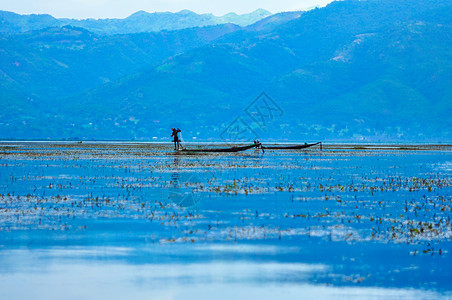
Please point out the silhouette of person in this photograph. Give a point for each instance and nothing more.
(176, 138)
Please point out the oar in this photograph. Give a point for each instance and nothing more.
(181, 141)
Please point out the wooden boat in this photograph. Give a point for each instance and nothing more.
(232, 149)
(295, 147)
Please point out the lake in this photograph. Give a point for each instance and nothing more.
(137, 220)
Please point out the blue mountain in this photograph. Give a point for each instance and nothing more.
(140, 21)
(353, 70)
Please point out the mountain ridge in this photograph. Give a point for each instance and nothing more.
(140, 21)
(352, 71)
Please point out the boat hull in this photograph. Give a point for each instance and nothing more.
(295, 147)
(222, 150)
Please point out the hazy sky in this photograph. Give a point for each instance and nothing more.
(121, 8)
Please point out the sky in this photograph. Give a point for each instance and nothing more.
(82, 9)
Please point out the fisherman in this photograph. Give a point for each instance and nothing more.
(176, 138)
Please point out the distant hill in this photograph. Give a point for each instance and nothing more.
(352, 71)
(271, 22)
(56, 62)
(138, 22)
(14, 23)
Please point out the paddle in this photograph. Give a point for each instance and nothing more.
(181, 140)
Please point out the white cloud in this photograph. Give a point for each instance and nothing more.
(120, 8)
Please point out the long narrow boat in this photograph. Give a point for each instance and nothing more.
(232, 149)
(295, 147)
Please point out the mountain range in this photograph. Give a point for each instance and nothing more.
(374, 70)
(140, 21)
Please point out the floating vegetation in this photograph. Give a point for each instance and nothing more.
(353, 194)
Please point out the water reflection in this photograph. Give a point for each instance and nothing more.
(74, 274)
(183, 186)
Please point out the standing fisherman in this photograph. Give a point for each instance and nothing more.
(176, 138)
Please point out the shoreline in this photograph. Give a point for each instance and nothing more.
(325, 145)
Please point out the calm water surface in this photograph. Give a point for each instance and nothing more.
(139, 221)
